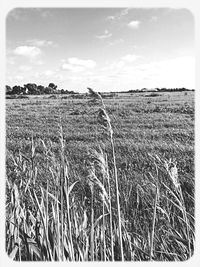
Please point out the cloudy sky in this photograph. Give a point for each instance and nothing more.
(104, 48)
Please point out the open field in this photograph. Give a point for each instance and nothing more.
(56, 144)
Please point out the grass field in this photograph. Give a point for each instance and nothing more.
(75, 192)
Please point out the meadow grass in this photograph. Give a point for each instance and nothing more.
(100, 179)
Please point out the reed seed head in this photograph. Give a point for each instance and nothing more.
(94, 94)
(104, 120)
(173, 173)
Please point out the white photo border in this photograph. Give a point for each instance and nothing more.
(8, 5)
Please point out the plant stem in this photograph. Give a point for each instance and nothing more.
(92, 225)
(117, 196)
(153, 225)
(110, 210)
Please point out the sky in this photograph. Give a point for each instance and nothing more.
(108, 49)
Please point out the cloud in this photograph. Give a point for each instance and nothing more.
(25, 68)
(87, 63)
(19, 77)
(38, 62)
(43, 12)
(17, 14)
(130, 58)
(118, 15)
(175, 72)
(134, 24)
(117, 41)
(73, 68)
(105, 35)
(40, 43)
(11, 60)
(110, 18)
(169, 73)
(49, 72)
(23, 14)
(154, 19)
(78, 65)
(122, 62)
(59, 76)
(27, 51)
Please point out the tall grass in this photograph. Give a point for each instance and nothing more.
(105, 214)
(104, 119)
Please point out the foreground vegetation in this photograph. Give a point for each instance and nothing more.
(100, 180)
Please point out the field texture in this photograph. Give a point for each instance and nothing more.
(92, 180)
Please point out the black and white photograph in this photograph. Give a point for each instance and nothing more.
(100, 143)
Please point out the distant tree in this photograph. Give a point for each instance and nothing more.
(41, 89)
(8, 90)
(49, 90)
(17, 90)
(53, 86)
(31, 88)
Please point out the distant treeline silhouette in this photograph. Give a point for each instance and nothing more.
(160, 90)
(34, 89)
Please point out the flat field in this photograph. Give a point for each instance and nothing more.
(153, 136)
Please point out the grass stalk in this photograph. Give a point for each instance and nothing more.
(153, 225)
(154, 216)
(117, 197)
(104, 226)
(65, 186)
(105, 121)
(92, 223)
(110, 211)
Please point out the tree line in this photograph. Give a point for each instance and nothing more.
(182, 89)
(34, 89)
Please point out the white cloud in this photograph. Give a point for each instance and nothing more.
(36, 75)
(117, 41)
(40, 43)
(124, 12)
(38, 62)
(11, 60)
(27, 51)
(73, 68)
(17, 14)
(122, 62)
(130, 58)
(169, 73)
(49, 72)
(59, 76)
(110, 18)
(25, 68)
(19, 77)
(134, 24)
(78, 65)
(154, 19)
(43, 12)
(118, 15)
(105, 35)
(87, 63)
(176, 72)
